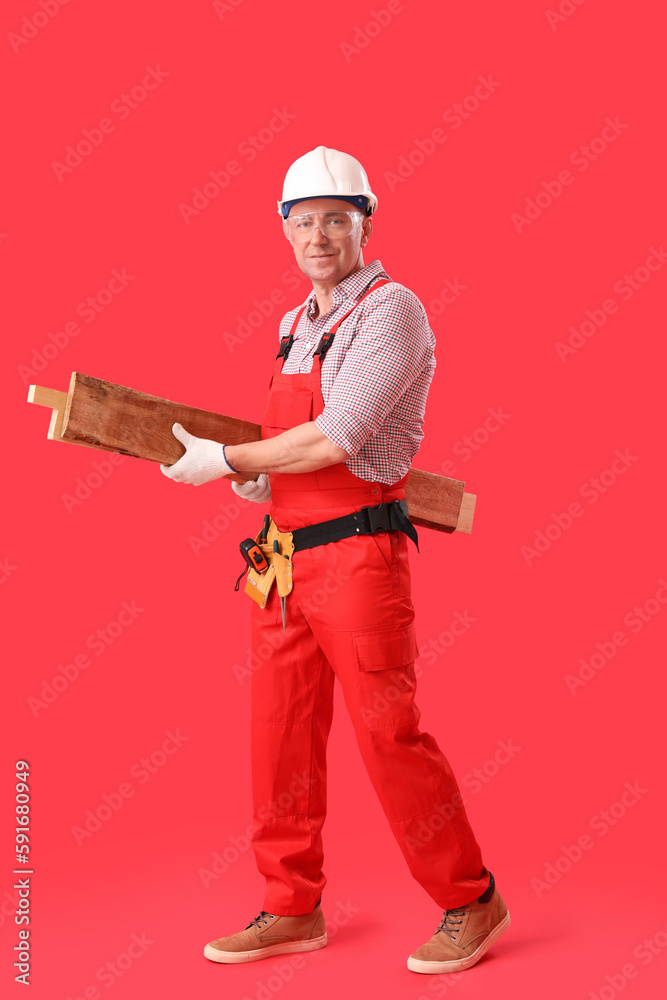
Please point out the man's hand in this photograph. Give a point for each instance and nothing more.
(258, 490)
(203, 461)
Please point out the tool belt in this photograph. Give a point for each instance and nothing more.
(391, 516)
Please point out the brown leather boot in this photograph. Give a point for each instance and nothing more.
(464, 934)
(268, 935)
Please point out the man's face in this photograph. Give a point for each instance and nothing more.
(330, 260)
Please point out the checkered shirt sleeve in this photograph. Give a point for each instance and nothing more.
(387, 356)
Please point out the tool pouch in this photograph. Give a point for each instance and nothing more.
(258, 585)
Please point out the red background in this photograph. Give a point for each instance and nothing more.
(68, 571)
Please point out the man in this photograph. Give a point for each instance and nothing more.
(342, 422)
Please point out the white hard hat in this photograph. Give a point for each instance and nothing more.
(327, 173)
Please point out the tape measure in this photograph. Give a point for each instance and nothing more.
(253, 555)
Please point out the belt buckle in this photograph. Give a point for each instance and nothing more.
(377, 518)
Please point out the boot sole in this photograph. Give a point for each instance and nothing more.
(435, 968)
(286, 948)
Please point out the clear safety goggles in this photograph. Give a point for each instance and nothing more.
(332, 225)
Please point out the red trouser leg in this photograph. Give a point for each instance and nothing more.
(415, 785)
(291, 713)
(351, 608)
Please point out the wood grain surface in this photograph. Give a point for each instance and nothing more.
(116, 418)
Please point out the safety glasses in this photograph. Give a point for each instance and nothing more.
(332, 225)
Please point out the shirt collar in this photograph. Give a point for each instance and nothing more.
(352, 287)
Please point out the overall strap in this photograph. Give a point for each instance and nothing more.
(327, 338)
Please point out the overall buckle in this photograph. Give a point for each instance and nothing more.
(325, 343)
(285, 346)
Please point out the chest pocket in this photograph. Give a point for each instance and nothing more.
(287, 409)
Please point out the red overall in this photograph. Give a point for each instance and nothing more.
(350, 616)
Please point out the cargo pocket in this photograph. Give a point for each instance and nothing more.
(385, 662)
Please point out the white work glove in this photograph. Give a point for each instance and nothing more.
(258, 490)
(203, 461)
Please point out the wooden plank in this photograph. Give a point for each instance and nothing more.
(57, 400)
(115, 418)
(47, 397)
(433, 501)
(466, 513)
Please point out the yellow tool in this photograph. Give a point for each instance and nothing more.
(277, 547)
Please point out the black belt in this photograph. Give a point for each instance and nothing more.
(391, 516)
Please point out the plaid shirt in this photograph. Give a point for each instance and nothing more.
(376, 374)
